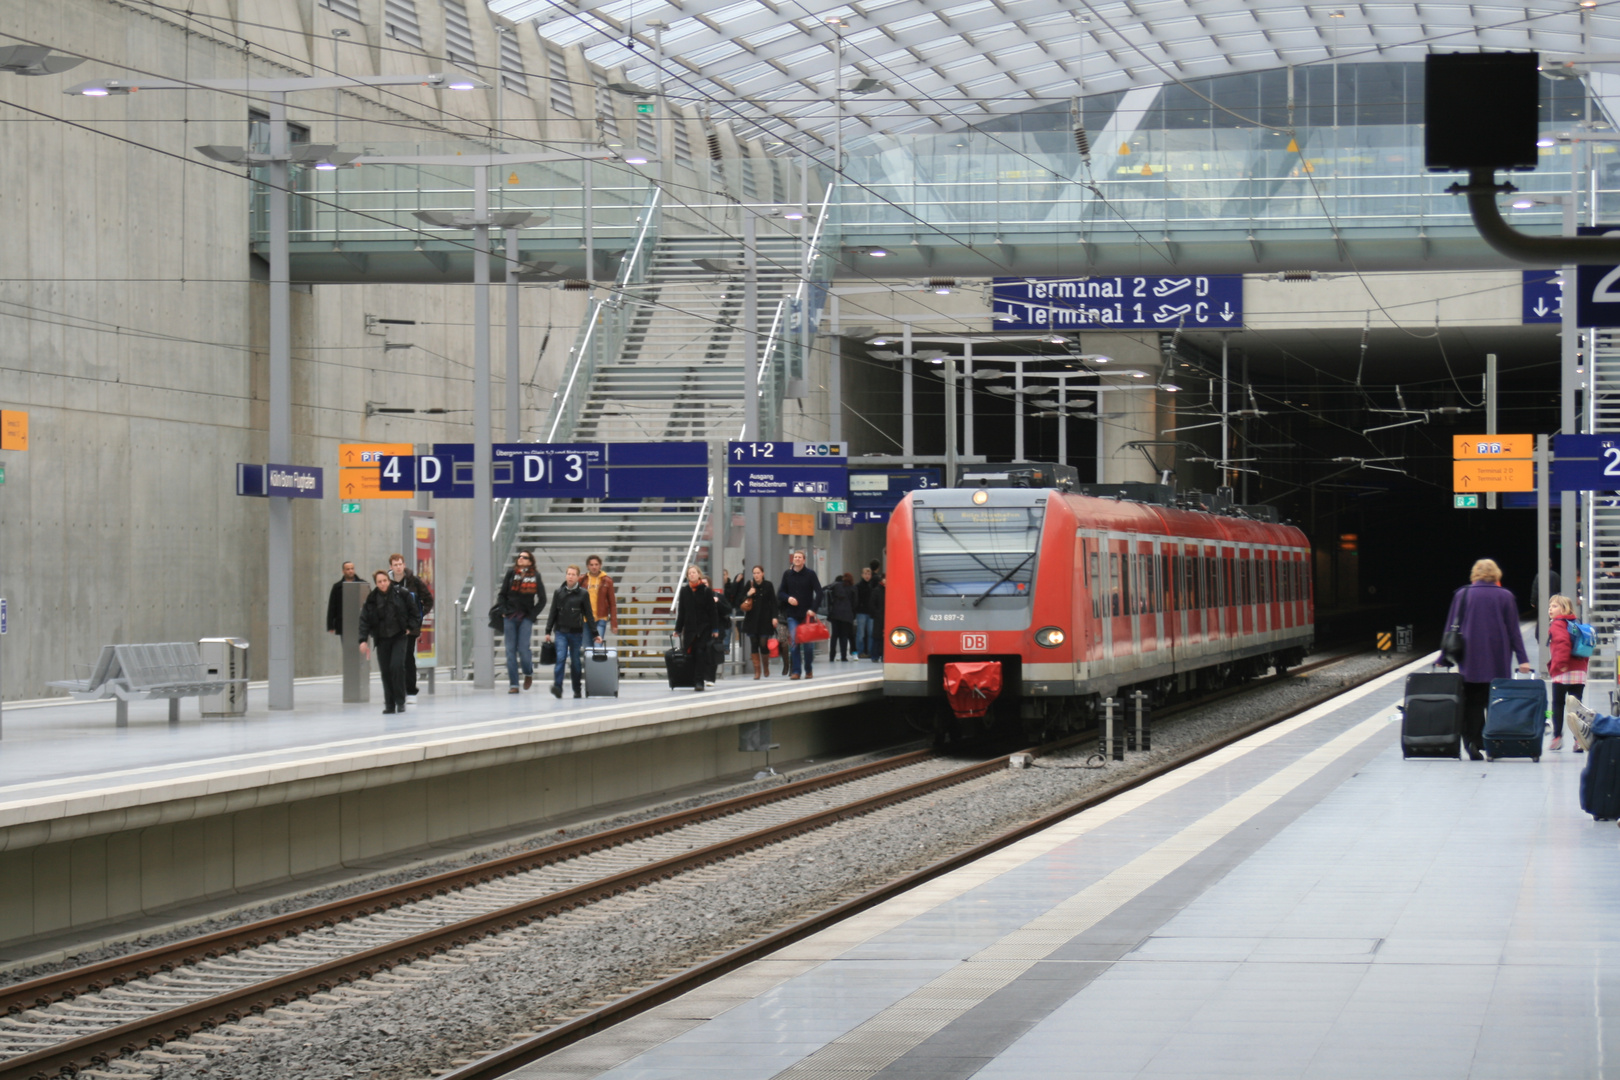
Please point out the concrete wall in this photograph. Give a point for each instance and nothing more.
(133, 323)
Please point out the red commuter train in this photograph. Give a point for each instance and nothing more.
(1066, 599)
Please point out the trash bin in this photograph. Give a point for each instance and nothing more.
(225, 658)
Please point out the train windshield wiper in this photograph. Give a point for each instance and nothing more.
(1004, 577)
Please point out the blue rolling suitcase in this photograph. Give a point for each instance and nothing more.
(1514, 718)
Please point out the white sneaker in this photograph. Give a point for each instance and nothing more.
(410, 699)
(1579, 719)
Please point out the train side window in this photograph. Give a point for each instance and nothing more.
(1113, 576)
(1125, 583)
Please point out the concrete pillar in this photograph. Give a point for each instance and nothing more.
(1130, 408)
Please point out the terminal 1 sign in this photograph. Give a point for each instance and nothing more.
(1120, 302)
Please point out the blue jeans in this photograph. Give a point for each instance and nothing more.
(569, 644)
(519, 646)
(808, 652)
(601, 629)
(863, 634)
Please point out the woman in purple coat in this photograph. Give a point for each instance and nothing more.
(1489, 619)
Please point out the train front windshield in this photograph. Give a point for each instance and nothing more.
(975, 552)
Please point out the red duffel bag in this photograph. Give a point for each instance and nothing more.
(810, 631)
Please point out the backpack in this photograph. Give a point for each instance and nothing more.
(1582, 639)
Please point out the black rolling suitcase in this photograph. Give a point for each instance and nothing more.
(1514, 719)
(1600, 780)
(1431, 717)
(678, 666)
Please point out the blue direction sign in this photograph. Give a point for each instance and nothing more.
(1543, 296)
(293, 481)
(548, 471)
(1131, 302)
(446, 473)
(870, 517)
(1597, 288)
(675, 470)
(1585, 463)
(882, 489)
(762, 470)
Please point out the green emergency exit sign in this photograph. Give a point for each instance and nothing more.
(351, 508)
(644, 108)
(836, 506)
(1465, 502)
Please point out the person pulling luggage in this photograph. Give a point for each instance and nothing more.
(571, 619)
(1565, 670)
(697, 620)
(1488, 619)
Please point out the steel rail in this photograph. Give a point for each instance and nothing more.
(501, 1062)
(178, 1023)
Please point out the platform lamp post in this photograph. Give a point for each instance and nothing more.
(278, 163)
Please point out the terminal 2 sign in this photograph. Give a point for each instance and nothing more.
(1120, 302)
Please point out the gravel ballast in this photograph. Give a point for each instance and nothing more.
(425, 1017)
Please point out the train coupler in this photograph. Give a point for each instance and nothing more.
(972, 687)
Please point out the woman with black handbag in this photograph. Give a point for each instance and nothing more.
(759, 621)
(1481, 639)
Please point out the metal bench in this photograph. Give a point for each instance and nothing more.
(171, 670)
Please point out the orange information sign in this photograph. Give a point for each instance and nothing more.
(358, 465)
(1493, 446)
(13, 430)
(1485, 474)
(795, 524)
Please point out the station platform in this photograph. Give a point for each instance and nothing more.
(99, 823)
(1302, 904)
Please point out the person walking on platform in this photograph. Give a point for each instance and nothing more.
(523, 597)
(863, 614)
(604, 601)
(697, 621)
(570, 620)
(799, 595)
(759, 621)
(880, 596)
(841, 613)
(424, 604)
(1566, 670)
(334, 601)
(1488, 618)
(389, 618)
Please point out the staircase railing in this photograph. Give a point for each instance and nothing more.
(772, 373)
(601, 334)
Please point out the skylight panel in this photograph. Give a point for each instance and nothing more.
(714, 54)
(772, 34)
(900, 26)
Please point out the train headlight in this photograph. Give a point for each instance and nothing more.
(900, 637)
(1051, 637)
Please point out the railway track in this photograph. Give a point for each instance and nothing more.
(89, 1016)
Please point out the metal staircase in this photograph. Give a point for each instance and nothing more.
(659, 359)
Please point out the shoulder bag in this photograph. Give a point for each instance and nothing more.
(1452, 645)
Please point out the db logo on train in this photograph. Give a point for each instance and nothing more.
(975, 642)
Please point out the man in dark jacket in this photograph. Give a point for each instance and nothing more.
(424, 605)
(863, 614)
(797, 597)
(880, 599)
(570, 620)
(334, 601)
(389, 618)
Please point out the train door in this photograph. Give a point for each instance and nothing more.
(1122, 622)
(1229, 615)
(1190, 583)
(1285, 586)
(1095, 560)
(1245, 591)
(1268, 617)
(1147, 638)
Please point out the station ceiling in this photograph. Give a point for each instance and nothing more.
(773, 68)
